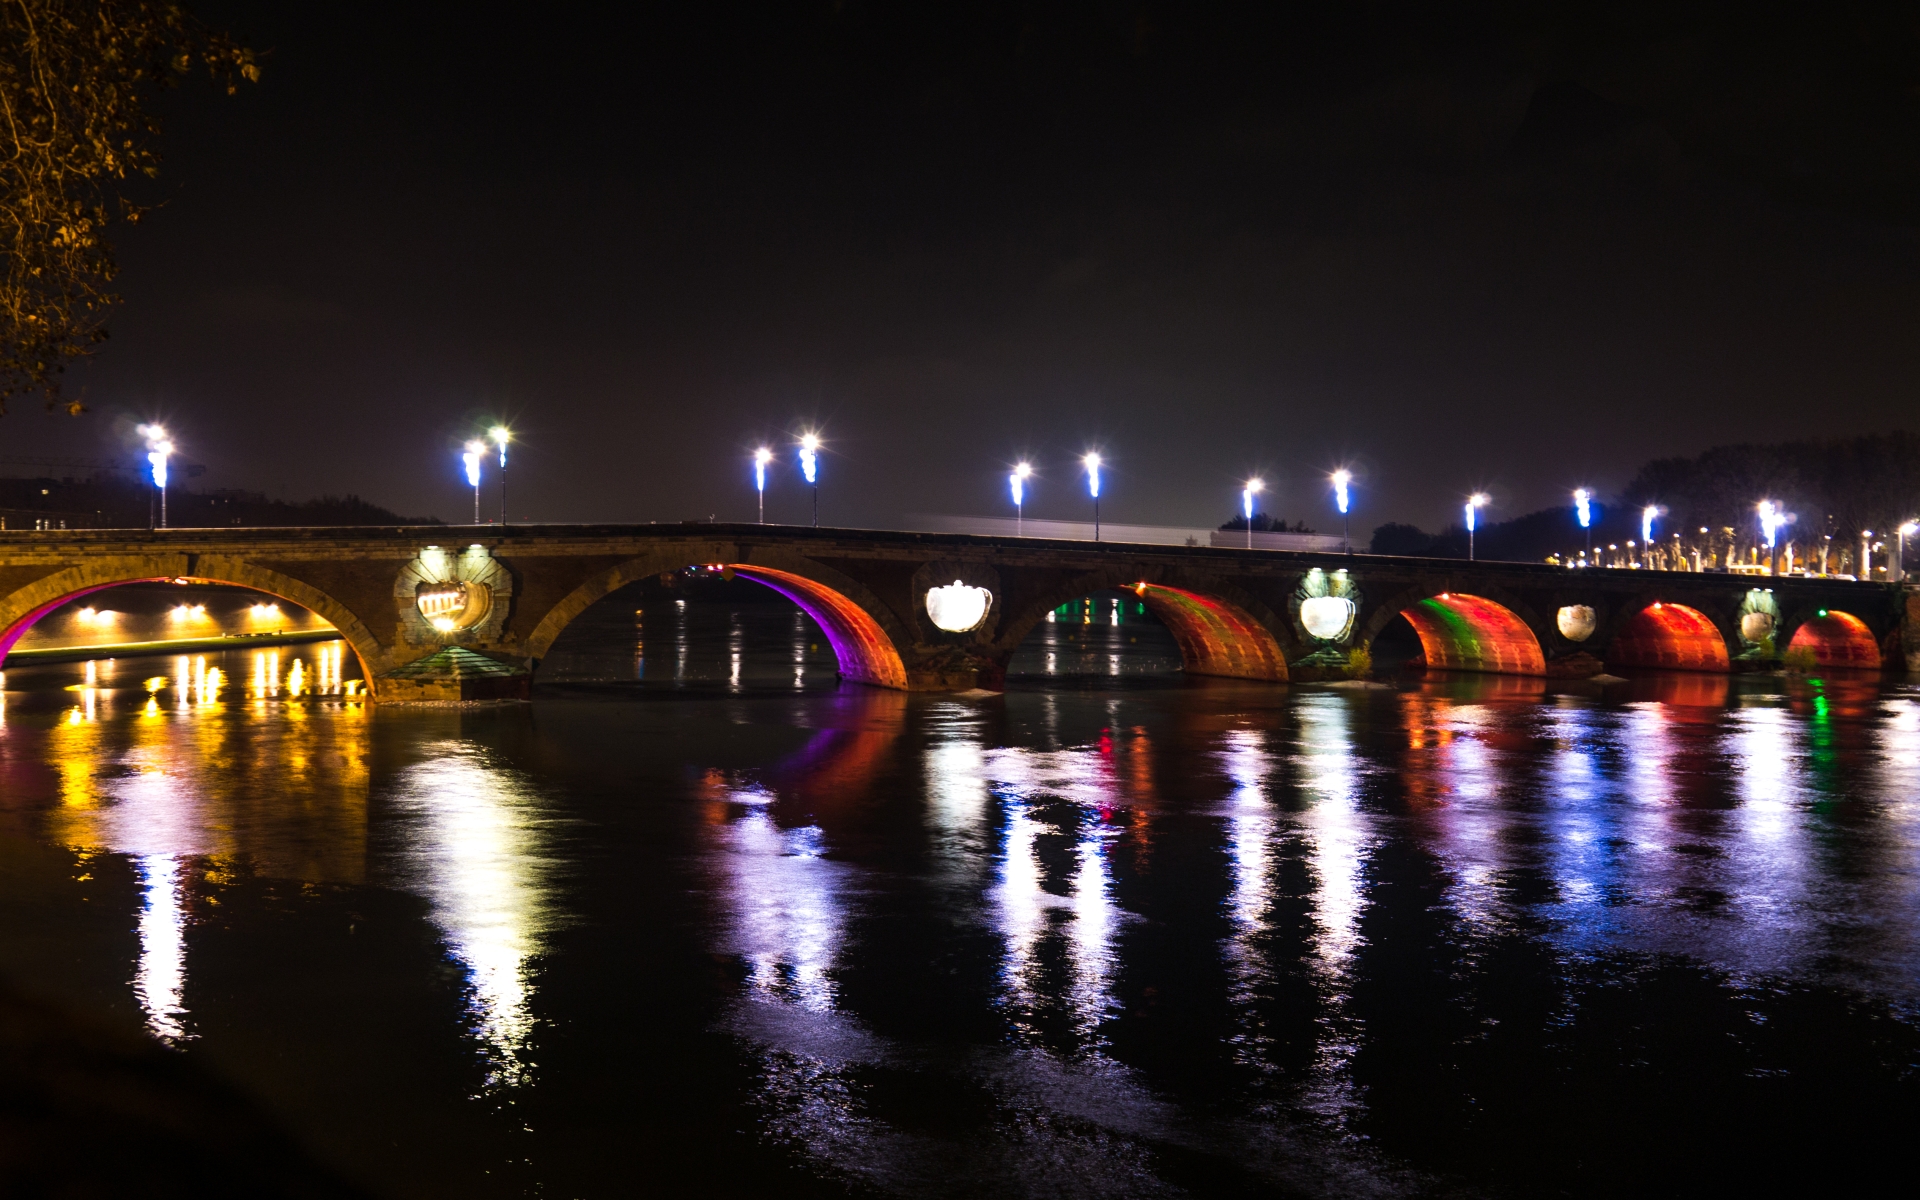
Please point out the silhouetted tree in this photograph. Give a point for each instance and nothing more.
(76, 77)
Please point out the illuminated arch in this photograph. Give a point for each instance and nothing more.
(1838, 639)
(1215, 637)
(866, 651)
(1672, 636)
(21, 609)
(1459, 632)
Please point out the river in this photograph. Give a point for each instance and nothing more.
(701, 920)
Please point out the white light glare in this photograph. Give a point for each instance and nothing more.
(1253, 488)
(1473, 506)
(1341, 479)
(475, 449)
(1647, 516)
(159, 449)
(1018, 480)
(810, 457)
(761, 458)
(1772, 517)
(1583, 506)
(1092, 462)
(500, 436)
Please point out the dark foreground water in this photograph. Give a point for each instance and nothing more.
(709, 925)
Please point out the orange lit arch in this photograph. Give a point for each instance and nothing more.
(1215, 637)
(1672, 636)
(1838, 639)
(1459, 632)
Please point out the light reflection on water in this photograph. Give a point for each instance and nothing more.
(947, 946)
(470, 840)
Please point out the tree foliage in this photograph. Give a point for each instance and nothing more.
(76, 81)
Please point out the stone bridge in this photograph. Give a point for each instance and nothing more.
(445, 612)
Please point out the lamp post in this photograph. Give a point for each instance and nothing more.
(500, 435)
(1018, 481)
(810, 467)
(1899, 571)
(1092, 463)
(159, 449)
(1866, 555)
(761, 458)
(1772, 517)
(1341, 479)
(1474, 504)
(1253, 488)
(1583, 509)
(475, 449)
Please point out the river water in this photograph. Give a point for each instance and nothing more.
(701, 921)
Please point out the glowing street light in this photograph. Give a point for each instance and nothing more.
(1648, 516)
(500, 435)
(1092, 463)
(475, 450)
(159, 449)
(761, 458)
(1772, 517)
(810, 467)
(1253, 488)
(1899, 571)
(1341, 479)
(1022, 471)
(1474, 503)
(1583, 508)
(1866, 555)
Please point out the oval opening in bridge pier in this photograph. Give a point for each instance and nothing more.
(1672, 637)
(1459, 632)
(1838, 639)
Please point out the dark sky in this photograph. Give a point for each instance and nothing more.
(1459, 246)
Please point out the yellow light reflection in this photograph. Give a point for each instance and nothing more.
(477, 854)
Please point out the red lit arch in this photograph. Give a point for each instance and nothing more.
(1471, 633)
(1838, 639)
(1215, 637)
(1672, 636)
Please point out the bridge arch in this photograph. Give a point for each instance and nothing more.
(863, 634)
(1837, 639)
(1670, 636)
(1219, 630)
(1461, 631)
(20, 609)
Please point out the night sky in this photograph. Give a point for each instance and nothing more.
(1457, 246)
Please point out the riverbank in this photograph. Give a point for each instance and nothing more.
(249, 641)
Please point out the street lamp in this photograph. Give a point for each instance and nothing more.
(1866, 555)
(1253, 488)
(475, 449)
(1341, 479)
(810, 467)
(1474, 504)
(1648, 516)
(1092, 463)
(1583, 508)
(1899, 571)
(761, 458)
(1022, 471)
(500, 435)
(159, 449)
(1772, 517)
